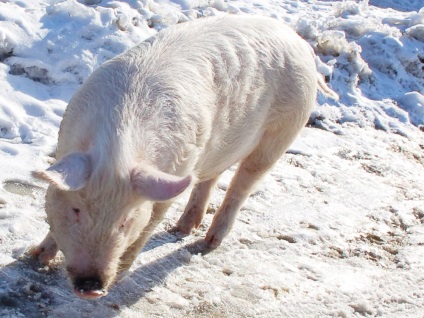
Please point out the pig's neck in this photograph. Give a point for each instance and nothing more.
(118, 139)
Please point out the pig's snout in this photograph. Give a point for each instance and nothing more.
(89, 287)
(87, 284)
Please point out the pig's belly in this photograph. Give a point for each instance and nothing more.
(219, 157)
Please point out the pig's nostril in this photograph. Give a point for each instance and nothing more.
(71, 270)
(84, 284)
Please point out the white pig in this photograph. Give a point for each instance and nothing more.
(178, 109)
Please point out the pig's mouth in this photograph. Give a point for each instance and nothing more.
(89, 287)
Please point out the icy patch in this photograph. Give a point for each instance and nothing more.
(21, 188)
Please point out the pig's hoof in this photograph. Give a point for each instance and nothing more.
(42, 254)
(217, 232)
(177, 230)
(213, 240)
(190, 219)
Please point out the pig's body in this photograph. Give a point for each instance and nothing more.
(181, 107)
(195, 99)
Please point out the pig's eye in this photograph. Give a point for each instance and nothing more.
(122, 226)
(77, 211)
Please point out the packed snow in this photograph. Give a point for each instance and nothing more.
(336, 229)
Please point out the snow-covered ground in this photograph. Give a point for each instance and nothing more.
(335, 230)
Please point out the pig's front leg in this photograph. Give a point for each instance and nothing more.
(273, 144)
(45, 251)
(132, 252)
(196, 207)
(238, 191)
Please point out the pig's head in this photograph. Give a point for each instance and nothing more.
(95, 215)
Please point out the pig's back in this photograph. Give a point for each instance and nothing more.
(242, 75)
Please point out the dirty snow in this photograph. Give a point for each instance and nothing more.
(335, 229)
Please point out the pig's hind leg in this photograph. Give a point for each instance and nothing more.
(196, 207)
(270, 148)
(45, 251)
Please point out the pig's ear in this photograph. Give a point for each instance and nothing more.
(69, 173)
(155, 185)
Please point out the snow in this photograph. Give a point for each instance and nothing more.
(334, 230)
(413, 103)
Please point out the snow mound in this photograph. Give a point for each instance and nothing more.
(368, 55)
(413, 103)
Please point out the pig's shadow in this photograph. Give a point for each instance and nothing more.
(159, 239)
(154, 273)
(30, 291)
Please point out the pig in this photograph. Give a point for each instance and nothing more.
(170, 114)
